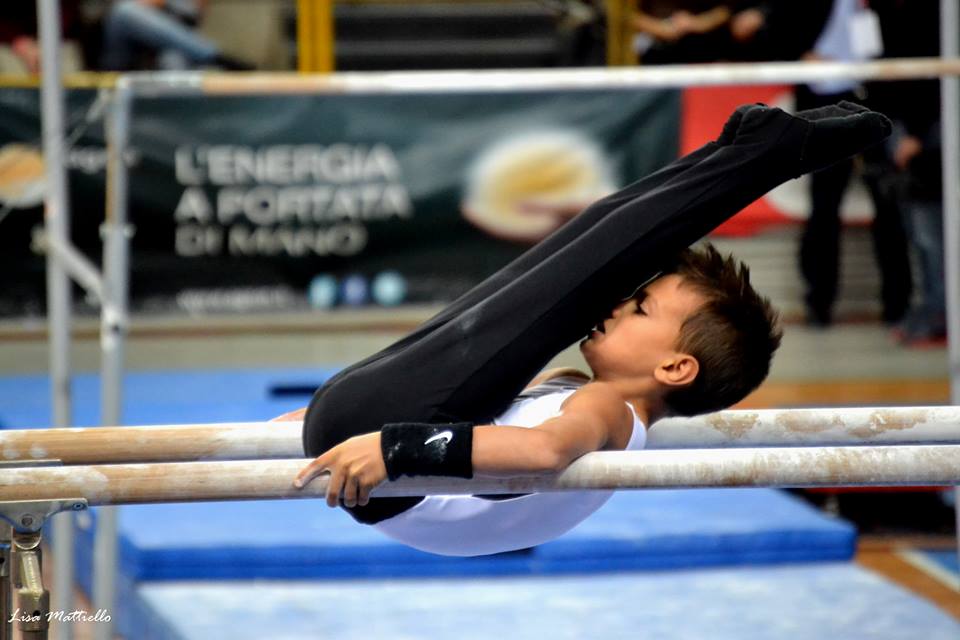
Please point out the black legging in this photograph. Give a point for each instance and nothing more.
(468, 362)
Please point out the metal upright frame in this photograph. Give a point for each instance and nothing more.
(109, 289)
(950, 124)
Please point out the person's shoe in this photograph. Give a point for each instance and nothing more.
(928, 341)
(921, 330)
(818, 318)
(893, 314)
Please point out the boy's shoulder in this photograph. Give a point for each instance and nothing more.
(558, 372)
(601, 401)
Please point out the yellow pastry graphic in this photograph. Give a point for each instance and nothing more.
(526, 186)
(22, 181)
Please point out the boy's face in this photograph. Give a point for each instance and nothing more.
(643, 331)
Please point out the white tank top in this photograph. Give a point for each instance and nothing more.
(463, 525)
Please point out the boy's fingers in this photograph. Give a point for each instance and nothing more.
(334, 488)
(350, 492)
(307, 474)
(312, 470)
(363, 497)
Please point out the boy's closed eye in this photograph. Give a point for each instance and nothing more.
(640, 297)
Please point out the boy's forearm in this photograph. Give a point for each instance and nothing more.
(505, 450)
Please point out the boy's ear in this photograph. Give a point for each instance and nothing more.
(679, 370)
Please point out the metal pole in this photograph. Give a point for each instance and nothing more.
(56, 215)
(6, 581)
(578, 79)
(113, 331)
(950, 125)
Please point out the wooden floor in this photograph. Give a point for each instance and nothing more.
(880, 554)
(848, 393)
(883, 555)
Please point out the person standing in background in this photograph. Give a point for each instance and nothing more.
(911, 29)
(820, 241)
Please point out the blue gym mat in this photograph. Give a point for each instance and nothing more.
(167, 397)
(306, 539)
(839, 601)
(277, 539)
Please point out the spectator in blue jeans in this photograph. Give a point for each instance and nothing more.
(911, 29)
(918, 155)
(164, 28)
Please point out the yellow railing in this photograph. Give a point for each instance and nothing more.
(84, 80)
(315, 35)
(619, 34)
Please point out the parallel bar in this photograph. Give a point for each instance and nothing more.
(809, 427)
(269, 479)
(547, 79)
(261, 440)
(170, 443)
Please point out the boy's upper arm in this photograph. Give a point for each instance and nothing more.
(589, 418)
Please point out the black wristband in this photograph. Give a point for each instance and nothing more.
(420, 449)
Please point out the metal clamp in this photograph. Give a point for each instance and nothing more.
(28, 516)
(21, 522)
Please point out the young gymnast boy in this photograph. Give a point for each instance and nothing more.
(461, 395)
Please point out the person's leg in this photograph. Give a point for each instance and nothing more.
(131, 24)
(471, 367)
(820, 242)
(889, 238)
(927, 222)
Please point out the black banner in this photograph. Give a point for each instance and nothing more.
(278, 202)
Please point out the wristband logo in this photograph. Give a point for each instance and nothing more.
(446, 436)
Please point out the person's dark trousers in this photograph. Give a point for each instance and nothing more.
(820, 241)
(471, 360)
(890, 244)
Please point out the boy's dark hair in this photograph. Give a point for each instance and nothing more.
(733, 335)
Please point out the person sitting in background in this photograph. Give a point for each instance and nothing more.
(677, 31)
(776, 29)
(19, 40)
(163, 29)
